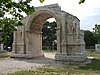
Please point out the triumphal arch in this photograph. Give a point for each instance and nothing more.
(70, 39)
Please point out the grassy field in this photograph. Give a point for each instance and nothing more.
(5, 54)
(89, 69)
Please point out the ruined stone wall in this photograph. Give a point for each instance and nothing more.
(70, 42)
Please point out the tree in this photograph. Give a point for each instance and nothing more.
(9, 27)
(97, 33)
(15, 10)
(49, 34)
(89, 38)
(10, 7)
(81, 1)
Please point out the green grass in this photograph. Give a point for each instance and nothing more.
(4, 54)
(92, 68)
(41, 71)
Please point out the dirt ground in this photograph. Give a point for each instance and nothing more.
(14, 64)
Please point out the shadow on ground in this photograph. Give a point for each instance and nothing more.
(48, 59)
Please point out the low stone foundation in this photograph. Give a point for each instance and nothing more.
(71, 58)
(26, 55)
(86, 61)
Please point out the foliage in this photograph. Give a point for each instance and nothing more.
(10, 7)
(9, 25)
(97, 32)
(16, 9)
(42, 1)
(13, 9)
(81, 1)
(49, 34)
(89, 38)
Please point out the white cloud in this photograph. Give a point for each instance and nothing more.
(86, 12)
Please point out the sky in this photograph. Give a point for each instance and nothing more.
(88, 12)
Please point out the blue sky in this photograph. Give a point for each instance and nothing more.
(88, 13)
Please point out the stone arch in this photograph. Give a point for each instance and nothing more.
(35, 29)
(70, 44)
(41, 16)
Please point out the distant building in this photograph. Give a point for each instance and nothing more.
(97, 47)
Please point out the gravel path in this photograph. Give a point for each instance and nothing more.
(12, 65)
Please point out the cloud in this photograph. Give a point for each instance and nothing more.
(88, 22)
(88, 12)
(90, 18)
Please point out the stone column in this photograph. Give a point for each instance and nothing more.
(1, 47)
(18, 43)
(20, 40)
(58, 30)
(64, 34)
(14, 43)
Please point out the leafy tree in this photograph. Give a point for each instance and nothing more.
(97, 32)
(49, 34)
(81, 1)
(9, 25)
(11, 7)
(15, 10)
(89, 38)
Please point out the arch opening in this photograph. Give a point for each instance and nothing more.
(49, 36)
(37, 26)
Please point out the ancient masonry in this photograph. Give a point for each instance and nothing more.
(70, 39)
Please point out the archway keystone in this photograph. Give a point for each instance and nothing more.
(70, 39)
